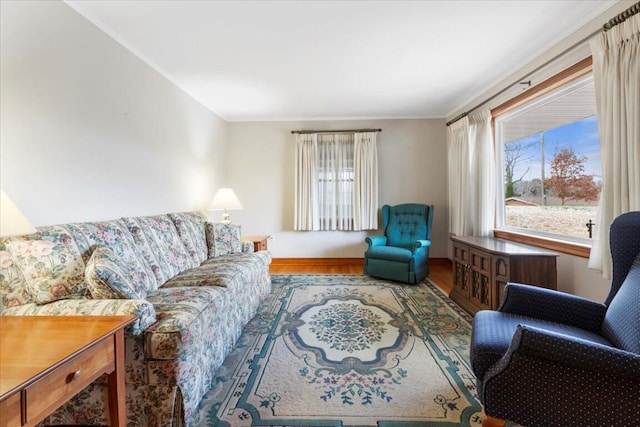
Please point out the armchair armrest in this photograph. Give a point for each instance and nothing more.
(420, 244)
(142, 309)
(577, 353)
(376, 241)
(554, 306)
(542, 369)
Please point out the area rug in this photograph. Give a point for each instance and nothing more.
(341, 350)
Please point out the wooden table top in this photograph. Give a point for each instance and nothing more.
(31, 346)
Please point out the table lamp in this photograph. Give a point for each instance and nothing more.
(12, 221)
(225, 199)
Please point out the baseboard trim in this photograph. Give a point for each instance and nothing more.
(340, 261)
(316, 261)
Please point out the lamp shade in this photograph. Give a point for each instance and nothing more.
(224, 199)
(12, 221)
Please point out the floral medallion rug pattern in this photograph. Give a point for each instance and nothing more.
(348, 351)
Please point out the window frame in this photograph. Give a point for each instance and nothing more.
(568, 246)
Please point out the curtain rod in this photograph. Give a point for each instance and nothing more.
(301, 132)
(618, 19)
(621, 17)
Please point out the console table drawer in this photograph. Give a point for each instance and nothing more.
(10, 410)
(49, 392)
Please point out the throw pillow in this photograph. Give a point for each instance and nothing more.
(223, 239)
(111, 277)
(50, 262)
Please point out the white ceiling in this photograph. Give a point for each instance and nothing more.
(318, 60)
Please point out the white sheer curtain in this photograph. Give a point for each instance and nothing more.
(458, 162)
(336, 182)
(306, 183)
(365, 188)
(472, 176)
(616, 76)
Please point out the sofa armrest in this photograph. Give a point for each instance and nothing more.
(376, 241)
(554, 306)
(247, 247)
(142, 309)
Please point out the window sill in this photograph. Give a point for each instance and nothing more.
(561, 246)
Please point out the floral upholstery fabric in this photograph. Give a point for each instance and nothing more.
(190, 226)
(188, 322)
(113, 235)
(223, 239)
(51, 263)
(142, 309)
(13, 288)
(109, 276)
(158, 240)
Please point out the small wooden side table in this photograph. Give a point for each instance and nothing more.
(260, 243)
(46, 360)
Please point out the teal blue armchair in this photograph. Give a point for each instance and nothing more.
(402, 254)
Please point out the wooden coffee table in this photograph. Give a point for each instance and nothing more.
(46, 360)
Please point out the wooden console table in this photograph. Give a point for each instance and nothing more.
(483, 265)
(46, 360)
(260, 243)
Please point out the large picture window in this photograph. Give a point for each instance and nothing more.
(549, 150)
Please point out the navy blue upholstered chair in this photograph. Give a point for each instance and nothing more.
(402, 254)
(551, 359)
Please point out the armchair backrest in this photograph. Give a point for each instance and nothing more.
(406, 223)
(624, 241)
(621, 324)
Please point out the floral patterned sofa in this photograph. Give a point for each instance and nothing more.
(189, 282)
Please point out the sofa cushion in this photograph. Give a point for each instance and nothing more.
(51, 263)
(223, 239)
(190, 226)
(13, 287)
(390, 253)
(158, 240)
(112, 276)
(226, 271)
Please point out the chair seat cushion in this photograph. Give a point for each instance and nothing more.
(391, 253)
(493, 330)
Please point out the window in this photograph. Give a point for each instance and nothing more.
(549, 149)
(336, 181)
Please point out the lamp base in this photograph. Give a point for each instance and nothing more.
(226, 218)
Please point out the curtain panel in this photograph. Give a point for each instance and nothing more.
(458, 167)
(336, 182)
(616, 76)
(306, 214)
(472, 176)
(366, 181)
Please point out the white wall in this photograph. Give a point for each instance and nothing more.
(412, 168)
(89, 131)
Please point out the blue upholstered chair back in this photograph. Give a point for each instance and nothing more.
(404, 224)
(621, 324)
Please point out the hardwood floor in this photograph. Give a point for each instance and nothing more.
(440, 269)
